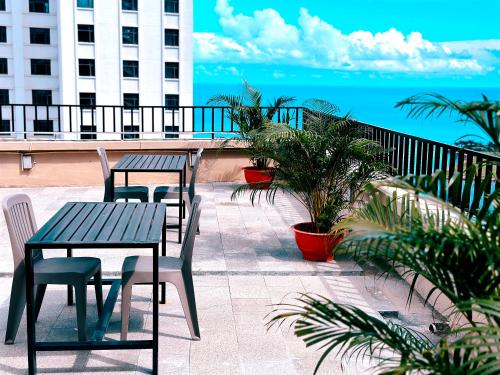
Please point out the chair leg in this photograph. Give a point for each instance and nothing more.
(144, 199)
(81, 310)
(16, 306)
(40, 293)
(125, 313)
(98, 291)
(186, 294)
(183, 209)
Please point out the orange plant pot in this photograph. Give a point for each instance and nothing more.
(315, 246)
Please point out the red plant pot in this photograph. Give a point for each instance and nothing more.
(315, 246)
(254, 176)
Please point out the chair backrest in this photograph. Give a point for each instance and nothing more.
(192, 182)
(21, 226)
(190, 234)
(105, 172)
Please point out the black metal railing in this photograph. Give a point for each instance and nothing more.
(406, 154)
(108, 122)
(410, 155)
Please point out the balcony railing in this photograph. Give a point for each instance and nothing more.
(406, 154)
(110, 122)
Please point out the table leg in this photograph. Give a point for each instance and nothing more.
(181, 174)
(112, 183)
(69, 254)
(30, 322)
(184, 174)
(163, 253)
(155, 309)
(126, 183)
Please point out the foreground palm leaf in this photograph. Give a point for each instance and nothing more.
(437, 243)
(351, 334)
(457, 251)
(485, 114)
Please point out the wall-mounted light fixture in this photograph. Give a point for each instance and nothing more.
(26, 162)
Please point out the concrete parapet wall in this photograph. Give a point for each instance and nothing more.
(75, 163)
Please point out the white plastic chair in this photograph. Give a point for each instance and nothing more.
(139, 270)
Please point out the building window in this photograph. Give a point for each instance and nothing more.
(85, 3)
(130, 101)
(172, 70)
(2, 5)
(87, 99)
(86, 33)
(43, 126)
(3, 66)
(39, 6)
(39, 35)
(130, 35)
(5, 126)
(129, 4)
(4, 96)
(130, 68)
(171, 6)
(41, 97)
(86, 67)
(172, 101)
(40, 67)
(3, 34)
(171, 37)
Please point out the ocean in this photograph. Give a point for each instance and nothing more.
(374, 105)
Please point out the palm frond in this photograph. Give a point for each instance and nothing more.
(485, 114)
(348, 330)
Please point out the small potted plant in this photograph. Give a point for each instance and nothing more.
(251, 118)
(324, 167)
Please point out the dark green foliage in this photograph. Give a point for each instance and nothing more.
(246, 112)
(324, 166)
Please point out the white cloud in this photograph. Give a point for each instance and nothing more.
(265, 37)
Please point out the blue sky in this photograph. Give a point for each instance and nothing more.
(355, 42)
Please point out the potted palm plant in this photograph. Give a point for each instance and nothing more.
(323, 166)
(251, 118)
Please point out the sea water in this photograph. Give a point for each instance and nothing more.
(374, 105)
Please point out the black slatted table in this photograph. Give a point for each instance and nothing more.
(99, 225)
(153, 163)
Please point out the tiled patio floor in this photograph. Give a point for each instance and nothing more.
(245, 260)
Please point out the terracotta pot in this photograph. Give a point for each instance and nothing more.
(315, 246)
(254, 175)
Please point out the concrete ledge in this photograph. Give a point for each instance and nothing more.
(165, 144)
(75, 163)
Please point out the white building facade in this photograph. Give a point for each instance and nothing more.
(95, 52)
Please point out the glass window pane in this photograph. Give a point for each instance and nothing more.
(171, 37)
(41, 97)
(40, 67)
(39, 6)
(86, 33)
(129, 4)
(171, 6)
(4, 96)
(85, 3)
(3, 34)
(130, 35)
(3, 66)
(39, 35)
